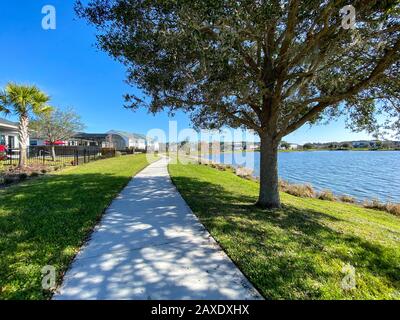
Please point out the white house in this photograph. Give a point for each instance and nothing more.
(122, 140)
(9, 133)
(294, 146)
(119, 140)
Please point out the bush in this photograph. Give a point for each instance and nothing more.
(298, 190)
(346, 198)
(326, 195)
(107, 152)
(244, 172)
(34, 174)
(22, 176)
(220, 167)
(118, 154)
(393, 208)
(374, 204)
(10, 179)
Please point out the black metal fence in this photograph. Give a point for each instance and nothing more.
(63, 155)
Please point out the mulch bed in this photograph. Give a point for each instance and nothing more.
(13, 175)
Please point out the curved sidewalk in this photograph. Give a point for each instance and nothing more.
(149, 245)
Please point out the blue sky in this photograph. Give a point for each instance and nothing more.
(66, 64)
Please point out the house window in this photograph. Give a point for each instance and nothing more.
(11, 142)
(3, 140)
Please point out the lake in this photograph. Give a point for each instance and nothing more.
(361, 174)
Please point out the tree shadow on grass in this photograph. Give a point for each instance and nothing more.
(290, 252)
(147, 246)
(43, 222)
(287, 253)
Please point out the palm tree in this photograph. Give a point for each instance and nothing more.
(23, 101)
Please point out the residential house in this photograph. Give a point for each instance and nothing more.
(360, 144)
(9, 134)
(89, 139)
(363, 144)
(121, 140)
(294, 146)
(253, 146)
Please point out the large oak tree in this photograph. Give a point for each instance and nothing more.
(267, 65)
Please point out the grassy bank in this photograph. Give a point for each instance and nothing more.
(300, 251)
(45, 221)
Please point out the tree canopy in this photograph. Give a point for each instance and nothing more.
(57, 125)
(257, 64)
(23, 100)
(266, 65)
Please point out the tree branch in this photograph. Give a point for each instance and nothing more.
(325, 102)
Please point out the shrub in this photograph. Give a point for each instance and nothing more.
(393, 208)
(348, 199)
(22, 176)
(10, 179)
(298, 190)
(118, 154)
(244, 172)
(326, 195)
(373, 204)
(34, 174)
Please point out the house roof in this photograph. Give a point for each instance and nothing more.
(103, 136)
(8, 123)
(128, 135)
(90, 136)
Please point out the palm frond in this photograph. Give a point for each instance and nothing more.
(26, 98)
(42, 109)
(4, 103)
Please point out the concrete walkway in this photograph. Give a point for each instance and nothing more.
(149, 245)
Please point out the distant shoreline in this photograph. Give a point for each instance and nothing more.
(307, 150)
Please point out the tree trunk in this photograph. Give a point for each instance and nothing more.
(53, 153)
(23, 140)
(269, 183)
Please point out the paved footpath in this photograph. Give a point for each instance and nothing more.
(149, 245)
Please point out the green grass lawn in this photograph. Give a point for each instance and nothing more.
(45, 221)
(299, 251)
